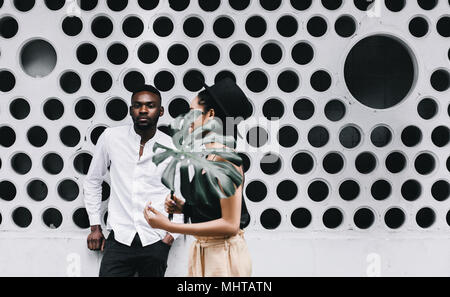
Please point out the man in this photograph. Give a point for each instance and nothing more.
(132, 246)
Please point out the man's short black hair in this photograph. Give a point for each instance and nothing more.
(148, 88)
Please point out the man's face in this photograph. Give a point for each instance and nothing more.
(145, 110)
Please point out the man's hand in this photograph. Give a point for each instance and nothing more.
(174, 205)
(168, 239)
(96, 240)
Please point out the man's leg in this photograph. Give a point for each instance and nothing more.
(153, 260)
(118, 259)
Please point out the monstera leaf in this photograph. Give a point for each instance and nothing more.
(190, 152)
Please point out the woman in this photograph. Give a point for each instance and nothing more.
(220, 248)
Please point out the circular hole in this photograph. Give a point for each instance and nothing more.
(208, 54)
(302, 53)
(411, 136)
(287, 190)
(245, 161)
(70, 136)
(178, 54)
(287, 26)
(7, 81)
(37, 136)
(270, 163)
(331, 4)
(24, 5)
(53, 109)
(133, 27)
(55, 4)
(304, 109)
(395, 5)
(301, 4)
(193, 27)
(117, 54)
(320, 81)
(333, 163)
(179, 5)
(418, 27)
(424, 163)
(257, 136)
(256, 191)
(318, 136)
(395, 162)
(85, 109)
(301, 218)
(86, 53)
(288, 136)
(425, 217)
(394, 218)
(239, 4)
(440, 80)
(427, 108)
(38, 58)
(96, 133)
(364, 5)
(82, 162)
(148, 53)
(349, 190)
(101, 81)
(148, 4)
(68, 190)
(345, 26)
(317, 26)
(364, 218)
(163, 26)
(240, 54)
(117, 5)
(102, 27)
(381, 136)
(21, 163)
(164, 81)
(443, 26)
(257, 81)
(332, 218)
(70, 82)
(209, 5)
(411, 190)
(193, 80)
(52, 218)
(440, 190)
(288, 81)
(7, 136)
(335, 110)
(19, 108)
(365, 163)
(8, 27)
(81, 218)
(53, 163)
(270, 4)
(117, 109)
(87, 5)
(273, 109)
(7, 190)
(224, 74)
(271, 53)
(270, 219)
(381, 190)
(379, 71)
(22, 217)
(256, 26)
(318, 191)
(72, 25)
(132, 80)
(37, 190)
(302, 163)
(178, 107)
(427, 4)
(106, 191)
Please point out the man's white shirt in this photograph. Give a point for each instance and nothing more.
(134, 182)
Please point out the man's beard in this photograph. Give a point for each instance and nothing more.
(150, 124)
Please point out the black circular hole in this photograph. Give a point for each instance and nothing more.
(82, 162)
(335, 110)
(443, 26)
(21, 163)
(394, 218)
(117, 109)
(117, 5)
(270, 219)
(102, 27)
(418, 27)
(8, 27)
(148, 4)
(345, 26)
(24, 5)
(101, 81)
(301, 218)
(209, 5)
(178, 107)
(54, 4)
(381, 136)
(271, 53)
(320, 81)
(302, 53)
(163, 26)
(270, 4)
(318, 191)
(363, 5)
(239, 4)
(164, 81)
(288, 81)
(19, 108)
(7, 190)
(193, 27)
(333, 163)
(179, 5)
(304, 109)
(87, 53)
(257, 81)
(52, 218)
(117, 54)
(287, 190)
(411, 136)
(365, 162)
(256, 26)
(425, 217)
(395, 5)
(70, 82)
(53, 163)
(240, 54)
(85, 109)
(256, 191)
(318, 136)
(37, 136)
(273, 109)
(257, 136)
(302, 163)
(288, 136)
(317, 26)
(440, 80)
(301, 4)
(224, 74)
(87, 5)
(424, 163)
(37, 190)
(440, 190)
(81, 218)
(427, 4)
(349, 190)
(411, 190)
(133, 27)
(364, 218)
(148, 53)
(427, 108)
(332, 218)
(7, 136)
(96, 133)
(381, 190)
(70, 136)
(440, 136)
(208, 54)
(72, 25)
(287, 26)
(245, 161)
(331, 4)
(53, 109)
(270, 163)
(177, 54)
(22, 217)
(38, 58)
(193, 80)
(132, 80)
(68, 190)
(7, 81)
(395, 162)
(379, 71)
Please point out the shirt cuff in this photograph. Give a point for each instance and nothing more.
(94, 220)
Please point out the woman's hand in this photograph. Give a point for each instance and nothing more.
(154, 218)
(174, 205)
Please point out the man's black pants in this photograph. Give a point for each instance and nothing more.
(120, 260)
